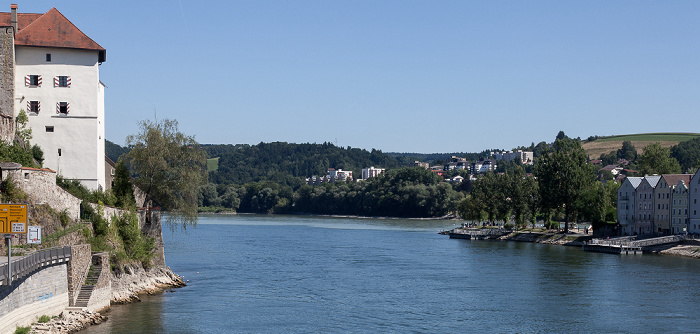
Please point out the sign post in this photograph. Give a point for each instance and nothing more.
(13, 219)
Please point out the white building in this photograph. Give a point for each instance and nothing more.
(679, 210)
(694, 204)
(626, 196)
(371, 172)
(526, 157)
(483, 166)
(57, 82)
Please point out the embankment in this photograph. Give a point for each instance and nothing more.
(548, 238)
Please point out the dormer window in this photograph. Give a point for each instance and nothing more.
(33, 80)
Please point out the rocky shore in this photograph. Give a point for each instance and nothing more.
(135, 280)
(69, 322)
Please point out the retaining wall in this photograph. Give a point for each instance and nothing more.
(77, 269)
(40, 186)
(45, 292)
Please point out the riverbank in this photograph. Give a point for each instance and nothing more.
(126, 288)
(135, 281)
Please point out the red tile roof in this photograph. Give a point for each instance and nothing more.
(51, 29)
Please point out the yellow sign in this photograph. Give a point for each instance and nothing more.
(13, 218)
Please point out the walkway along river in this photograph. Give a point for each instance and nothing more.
(275, 274)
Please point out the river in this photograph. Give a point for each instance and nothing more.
(297, 274)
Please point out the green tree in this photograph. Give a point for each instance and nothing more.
(122, 187)
(23, 130)
(687, 153)
(169, 167)
(563, 177)
(656, 159)
(627, 151)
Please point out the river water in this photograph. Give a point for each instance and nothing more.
(292, 274)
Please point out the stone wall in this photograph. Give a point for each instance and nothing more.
(45, 292)
(77, 269)
(40, 185)
(7, 84)
(151, 225)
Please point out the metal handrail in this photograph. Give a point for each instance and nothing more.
(28, 263)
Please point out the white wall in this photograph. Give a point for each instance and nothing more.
(80, 134)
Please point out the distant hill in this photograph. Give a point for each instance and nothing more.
(612, 143)
(288, 163)
(114, 151)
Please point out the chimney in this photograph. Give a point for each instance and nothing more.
(13, 19)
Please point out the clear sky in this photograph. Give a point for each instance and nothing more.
(407, 76)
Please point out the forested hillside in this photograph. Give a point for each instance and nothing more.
(288, 163)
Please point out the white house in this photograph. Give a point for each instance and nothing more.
(626, 196)
(679, 210)
(371, 172)
(694, 204)
(57, 82)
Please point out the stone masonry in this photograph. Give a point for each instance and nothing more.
(40, 185)
(44, 292)
(7, 84)
(77, 269)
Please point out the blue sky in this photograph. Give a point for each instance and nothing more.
(407, 76)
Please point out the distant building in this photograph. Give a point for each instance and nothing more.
(483, 166)
(679, 209)
(526, 157)
(694, 204)
(332, 176)
(371, 172)
(421, 164)
(662, 200)
(626, 200)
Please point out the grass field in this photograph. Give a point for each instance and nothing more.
(607, 144)
(212, 164)
(652, 137)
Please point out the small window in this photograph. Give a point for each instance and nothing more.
(61, 81)
(62, 108)
(26, 176)
(33, 80)
(48, 57)
(34, 107)
(59, 152)
(49, 129)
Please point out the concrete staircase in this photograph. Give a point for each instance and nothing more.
(86, 290)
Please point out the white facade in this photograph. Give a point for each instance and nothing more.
(694, 204)
(371, 172)
(73, 142)
(626, 196)
(679, 210)
(57, 82)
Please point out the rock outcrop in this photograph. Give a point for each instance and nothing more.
(135, 280)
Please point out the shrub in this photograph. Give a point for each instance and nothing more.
(64, 218)
(11, 192)
(22, 330)
(43, 319)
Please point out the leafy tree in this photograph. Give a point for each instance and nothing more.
(656, 159)
(561, 135)
(168, 166)
(627, 151)
(609, 159)
(687, 153)
(23, 130)
(563, 177)
(122, 188)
